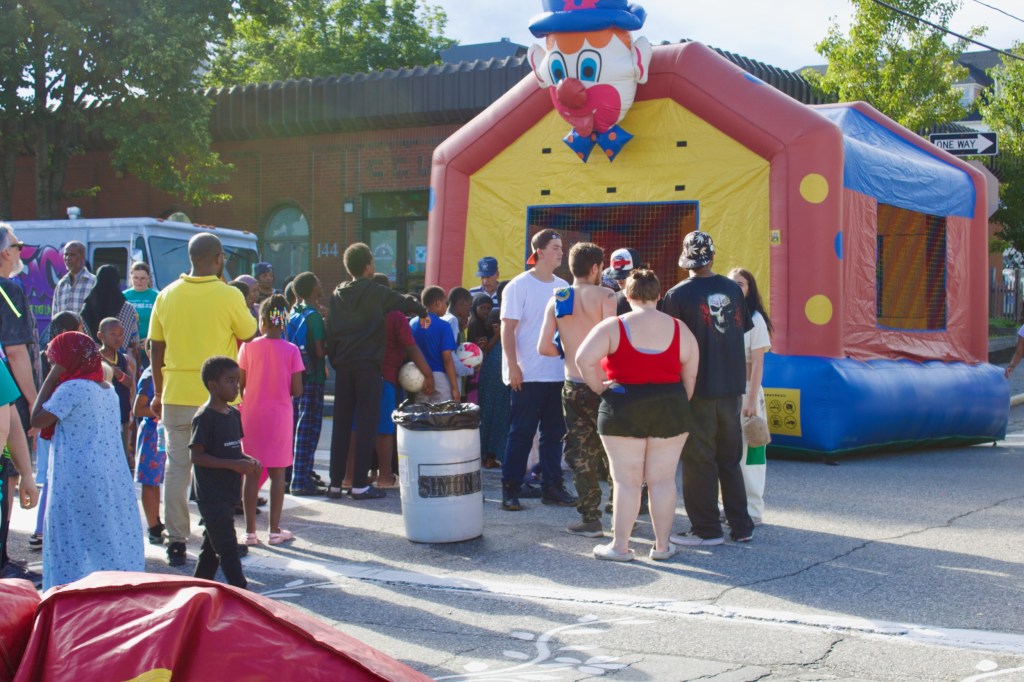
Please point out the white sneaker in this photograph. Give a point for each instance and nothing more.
(606, 553)
(688, 540)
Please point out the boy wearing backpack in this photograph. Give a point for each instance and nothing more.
(306, 330)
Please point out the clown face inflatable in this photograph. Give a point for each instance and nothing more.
(591, 65)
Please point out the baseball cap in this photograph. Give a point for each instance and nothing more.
(698, 250)
(487, 267)
(623, 262)
(261, 268)
(540, 242)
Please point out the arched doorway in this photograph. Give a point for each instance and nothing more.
(286, 242)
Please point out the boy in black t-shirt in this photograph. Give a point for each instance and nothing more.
(219, 463)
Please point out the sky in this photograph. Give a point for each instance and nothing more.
(778, 32)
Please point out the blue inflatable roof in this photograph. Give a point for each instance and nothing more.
(881, 164)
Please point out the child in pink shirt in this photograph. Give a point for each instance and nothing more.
(271, 376)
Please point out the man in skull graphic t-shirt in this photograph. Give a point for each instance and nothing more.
(712, 306)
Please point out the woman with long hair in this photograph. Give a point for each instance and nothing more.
(644, 366)
(106, 300)
(756, 343)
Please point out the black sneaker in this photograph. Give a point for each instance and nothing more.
(529, 492)
(370, 493)
(36, 541)
(176, 554)
(558, 496)
(311, 490)
(156, 534)
(16, 570)
(510, 498)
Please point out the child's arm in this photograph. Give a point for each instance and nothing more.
(141, 407)
(201, 458)
(40, 418)
(296, 384)
(241, 383)
(449, 369)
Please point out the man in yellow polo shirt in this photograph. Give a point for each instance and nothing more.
(194, 318)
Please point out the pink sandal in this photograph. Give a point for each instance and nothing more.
(251, 540)
(281, 537)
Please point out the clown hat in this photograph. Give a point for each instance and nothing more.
(580, 16)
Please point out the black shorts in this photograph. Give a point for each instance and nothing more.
(644, 411)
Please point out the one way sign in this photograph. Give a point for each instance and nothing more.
(966, 144)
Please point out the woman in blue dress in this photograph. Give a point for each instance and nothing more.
(92, 518)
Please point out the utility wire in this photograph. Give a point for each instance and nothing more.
(946, 30)
(1001, 11)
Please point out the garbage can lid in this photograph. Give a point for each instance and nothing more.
(447, 416)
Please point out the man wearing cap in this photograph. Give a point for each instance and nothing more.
(713, 307)
(487, 271)
(535, 380)
(623, 262)
(264, 273)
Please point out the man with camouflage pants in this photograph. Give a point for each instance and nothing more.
(573, 312)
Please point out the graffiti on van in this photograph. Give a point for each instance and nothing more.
(44, 266)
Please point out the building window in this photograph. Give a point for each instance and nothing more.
(286, 242)
(911, 270)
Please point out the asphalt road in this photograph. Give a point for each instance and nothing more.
(896, 567)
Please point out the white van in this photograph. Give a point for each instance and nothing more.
(118, 242)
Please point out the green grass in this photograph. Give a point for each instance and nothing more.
(1000, 322)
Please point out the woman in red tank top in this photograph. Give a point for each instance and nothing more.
(644, 367)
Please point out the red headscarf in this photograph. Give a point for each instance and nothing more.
(80, 358)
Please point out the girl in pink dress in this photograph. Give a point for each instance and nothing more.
(271, 375)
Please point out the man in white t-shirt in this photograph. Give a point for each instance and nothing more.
(535, 380)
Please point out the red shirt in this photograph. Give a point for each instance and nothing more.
(398, 336)
(627, 365)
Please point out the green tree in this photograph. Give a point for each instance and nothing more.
(124, 72)
(902, 67)
(1004, 113)
(329, 38)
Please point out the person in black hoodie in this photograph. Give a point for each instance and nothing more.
(355, 346)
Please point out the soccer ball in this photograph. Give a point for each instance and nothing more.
(411, 378)
(469, 354)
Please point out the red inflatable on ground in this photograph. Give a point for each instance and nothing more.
(19, 599)
(135, 626)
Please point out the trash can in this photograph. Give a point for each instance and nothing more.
(439, 468)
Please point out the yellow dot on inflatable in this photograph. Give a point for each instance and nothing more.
(819, 310)
(814, 188)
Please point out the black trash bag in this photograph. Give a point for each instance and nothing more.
(447, 416)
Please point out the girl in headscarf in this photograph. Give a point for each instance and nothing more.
(106, 300)
(92, 520)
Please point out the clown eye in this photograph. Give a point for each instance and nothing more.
(557, 66)
(589, 66)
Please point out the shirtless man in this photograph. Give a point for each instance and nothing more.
(573, 312)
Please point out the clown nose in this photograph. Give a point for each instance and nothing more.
(571, 93)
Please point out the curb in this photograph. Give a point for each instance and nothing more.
(1017, 400)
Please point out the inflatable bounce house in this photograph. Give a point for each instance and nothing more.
(869, 244)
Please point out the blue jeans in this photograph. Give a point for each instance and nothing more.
(538, 403)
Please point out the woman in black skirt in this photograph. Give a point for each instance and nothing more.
(644, 366)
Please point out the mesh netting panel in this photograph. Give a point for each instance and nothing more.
(656, 231)
(911, 270)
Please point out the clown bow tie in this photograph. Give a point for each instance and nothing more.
(611, 142)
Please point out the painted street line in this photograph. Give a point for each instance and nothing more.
(921, 634)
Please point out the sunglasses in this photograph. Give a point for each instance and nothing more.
(17, 245)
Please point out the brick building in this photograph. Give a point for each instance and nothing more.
(325, 162)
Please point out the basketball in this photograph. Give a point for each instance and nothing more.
(469, 354)
(411, 378)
